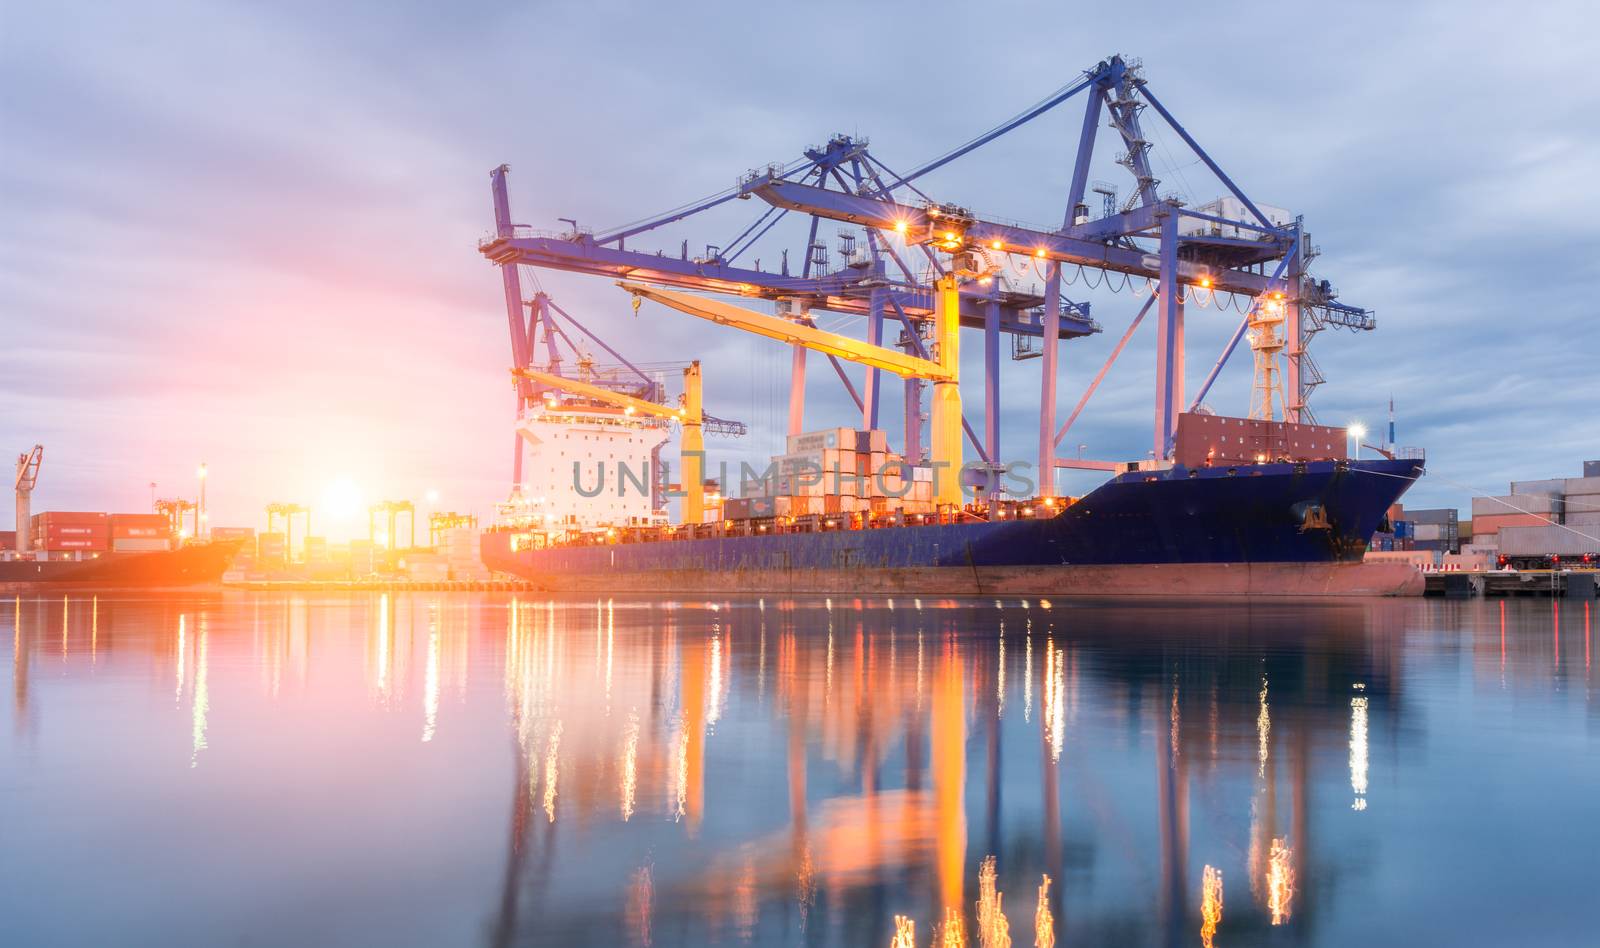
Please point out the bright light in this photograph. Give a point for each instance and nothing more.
(200, 471)
(949, 235)
(994, 244)
(1039, 253)
(433, 495)
(341, 500)
(1205, 282)
(900, 227)
(1356, 430)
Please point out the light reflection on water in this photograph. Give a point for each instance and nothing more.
(484, 769)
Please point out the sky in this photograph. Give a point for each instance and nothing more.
(245, 234)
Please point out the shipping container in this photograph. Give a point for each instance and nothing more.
(68, 517)
(139, 526)
(1591, 469)
(818, 440)
(67, 538)
(233, 533)
(271, 549)
(873, 440)
(1490, 524)
(1551, 487)
(1543, 504)
(1583, 486)
(1546, 540)
(1437, 515)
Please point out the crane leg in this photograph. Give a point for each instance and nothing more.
(797, 391)
(694, 447)
(945, 424)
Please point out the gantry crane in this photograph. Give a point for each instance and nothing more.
(174, 508)
(392, 510)
(288, 512)
(27, 479)
(1238, 255)
(690, 415)
(439, 522)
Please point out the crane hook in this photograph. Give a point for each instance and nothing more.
(636, 302)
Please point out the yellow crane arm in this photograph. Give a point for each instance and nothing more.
(772, 327)
(601, 394)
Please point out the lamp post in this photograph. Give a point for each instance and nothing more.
(200, 511)
(1356, 430)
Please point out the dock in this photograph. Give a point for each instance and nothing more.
(1498, 584)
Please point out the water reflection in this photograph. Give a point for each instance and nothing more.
(763, 771)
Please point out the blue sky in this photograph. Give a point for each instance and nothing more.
(245, 233)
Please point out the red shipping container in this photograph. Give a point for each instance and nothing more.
(1490, 525)
(70, 530)
(8, 539)
(89, 545)
(76, 537)
(68, 516)
(139, 527)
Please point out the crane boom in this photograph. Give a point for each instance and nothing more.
(600, 394)
(834, 344)
(945, 373)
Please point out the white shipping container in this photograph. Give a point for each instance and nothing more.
(818, 440)
(1429, 531)
(1583, 486)
(1534, 541)
(1549, 486)
(1541, 504)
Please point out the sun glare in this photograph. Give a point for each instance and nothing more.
(341, 500)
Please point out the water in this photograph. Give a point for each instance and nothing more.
(461, 769)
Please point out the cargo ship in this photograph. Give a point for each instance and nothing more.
(93, 549)
(1206, 523)
(189, 565)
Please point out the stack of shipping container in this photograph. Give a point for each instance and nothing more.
(834, 471)
(79, 534)
(1552, 517)
(459, 545)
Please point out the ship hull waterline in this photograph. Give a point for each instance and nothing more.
(1296, 530)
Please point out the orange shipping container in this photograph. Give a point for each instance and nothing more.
(1490, 524)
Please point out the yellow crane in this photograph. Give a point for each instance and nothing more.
(691, 415)
(945, 423)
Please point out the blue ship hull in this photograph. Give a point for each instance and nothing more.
(1319, 512)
